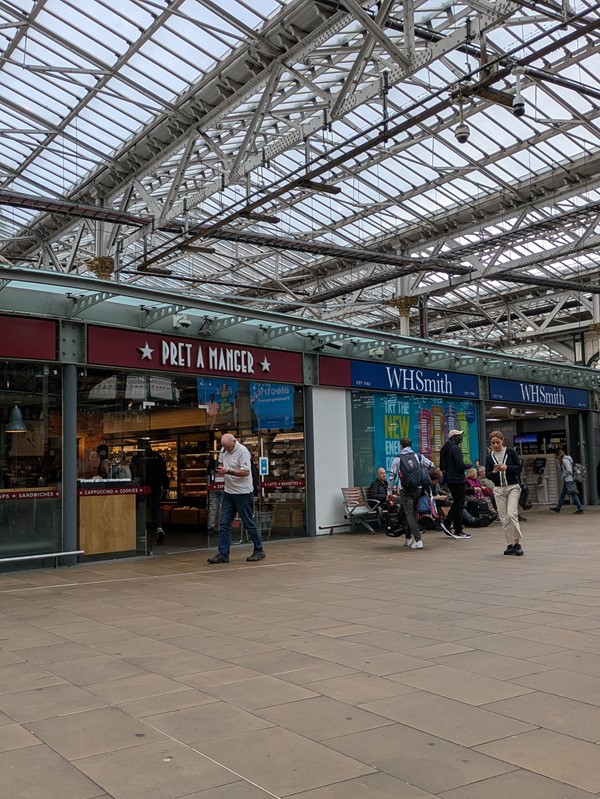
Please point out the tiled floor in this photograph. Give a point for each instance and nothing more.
(343, 667)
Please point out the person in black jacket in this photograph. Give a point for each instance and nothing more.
(148, 468)
(379, 488)
(454, 467)
(503, 467)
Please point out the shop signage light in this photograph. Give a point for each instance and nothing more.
(413, 381)
(537, 393)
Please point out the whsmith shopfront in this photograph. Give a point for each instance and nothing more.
(386, 402)
(84, 404)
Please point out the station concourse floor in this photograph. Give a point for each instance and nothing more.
(341, 667)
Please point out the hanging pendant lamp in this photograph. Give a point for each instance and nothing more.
(15, 422)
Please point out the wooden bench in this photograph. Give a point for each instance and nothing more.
(360, 512)
(55, 555)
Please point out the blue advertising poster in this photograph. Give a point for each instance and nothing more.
(413, 381)
(221, 398)
(379, 421)
(272, 406)
(538, 394)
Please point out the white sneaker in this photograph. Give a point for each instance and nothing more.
(416, 545)
(408, 542)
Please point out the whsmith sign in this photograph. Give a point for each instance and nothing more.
(407, 380)
(538, 394)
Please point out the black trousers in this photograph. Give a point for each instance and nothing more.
(455, 517)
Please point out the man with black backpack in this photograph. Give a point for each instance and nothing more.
(410, 471)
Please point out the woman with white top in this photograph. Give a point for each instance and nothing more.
(503, 467)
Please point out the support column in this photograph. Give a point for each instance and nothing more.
(404, 304)
(589, 455)
(69, 461)
(595, 342)
(424, 315)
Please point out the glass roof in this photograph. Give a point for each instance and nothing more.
(316, 158)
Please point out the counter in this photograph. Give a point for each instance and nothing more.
(107, 515)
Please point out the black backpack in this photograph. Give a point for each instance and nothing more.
(411, 472)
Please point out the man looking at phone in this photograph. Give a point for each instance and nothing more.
(235, 466)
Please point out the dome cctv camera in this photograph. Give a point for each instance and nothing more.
(462, 132)
(518, 105)
(181, 320)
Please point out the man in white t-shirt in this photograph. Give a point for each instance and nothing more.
(235, 466)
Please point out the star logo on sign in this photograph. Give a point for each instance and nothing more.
(266, 366)
(146, 351)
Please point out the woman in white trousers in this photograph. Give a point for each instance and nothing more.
(503, 467)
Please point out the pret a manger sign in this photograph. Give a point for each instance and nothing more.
(132, 349)
(202, 356)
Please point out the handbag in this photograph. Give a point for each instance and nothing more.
(571, 487)
(524, 497)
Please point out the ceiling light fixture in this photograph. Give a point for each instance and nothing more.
(156, 272)
(15, 422)
(194, 248)
(315, 185)
(269, 220)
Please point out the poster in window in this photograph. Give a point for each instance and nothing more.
(221, 399)
(272, 406)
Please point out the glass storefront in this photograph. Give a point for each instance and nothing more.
(147, 445)
(30, 459)
(380, 420)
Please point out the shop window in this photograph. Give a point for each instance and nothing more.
(30, 459)
(180, 419)
(381, 420)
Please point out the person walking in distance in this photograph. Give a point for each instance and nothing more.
(235, 466)
(564, 463)
(454, 467)
(503, 467)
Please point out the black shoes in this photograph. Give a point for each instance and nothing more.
(556, 510)
(160, 535)
(514, 549)
(218, 558)
(577, 511)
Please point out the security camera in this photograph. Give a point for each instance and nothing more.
(462, 132)
(377, 352)
(518, 105)
(181, 320)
